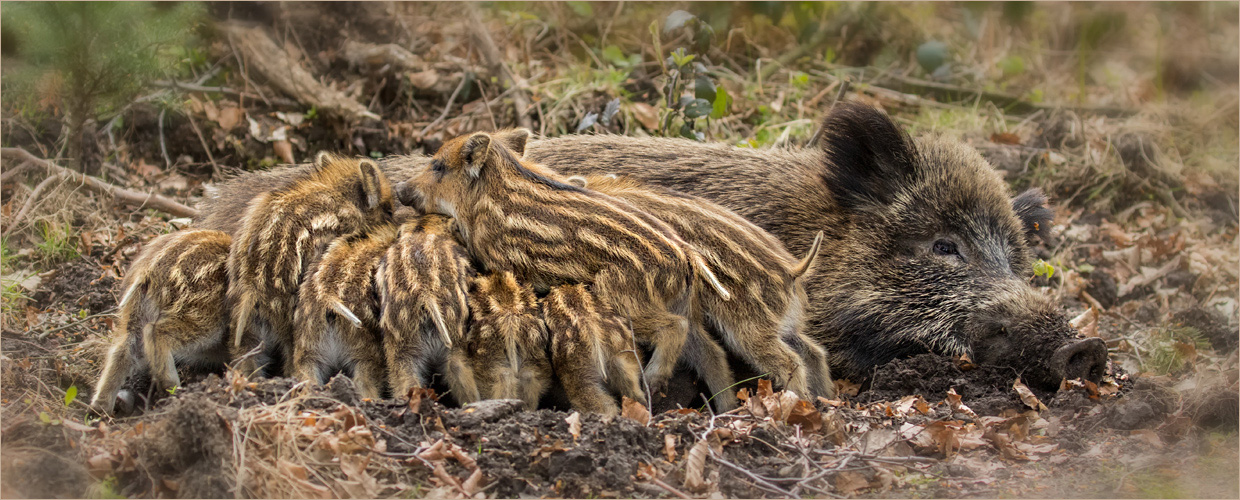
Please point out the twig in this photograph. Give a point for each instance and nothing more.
(756, 478)
(12, 172)
(93, 183)
(447, 107)
(670, 489)
(490, 53)
(45, 333)
(637, 355)
(34, 196)
(215, 167)
(163, 144)
(192, 87)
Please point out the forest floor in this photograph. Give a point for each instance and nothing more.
(1139, 155)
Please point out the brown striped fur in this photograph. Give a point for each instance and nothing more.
(172, 310)
(283, 233)
(766, 314)
(592, 350)
(507, 340)
(337, 315)
(423, 285)
(549, 233)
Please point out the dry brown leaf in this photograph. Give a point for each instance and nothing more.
(1086, 322)
(845, 387)
(646, 114)
(1005, 138)
(694, 465)
(1149, 436)
(957, 404)
(805, 415)
(284, 151)
(1004, 445)
(473, 483)
(964, 362)
(424, 79)
(574, 425)
(848, 482)
(229, 117)
(669, 446)
(635, 411)
(1027, 396)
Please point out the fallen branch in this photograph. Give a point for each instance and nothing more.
(1007, 102)
(359, 54)
(289, 77)
(191, 87)
(141, 200)
(495, 61)
(446, 107)
(13, 172)
(34, 196)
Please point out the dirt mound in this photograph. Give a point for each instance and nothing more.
(81, 284)
(987, 389)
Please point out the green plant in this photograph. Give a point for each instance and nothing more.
(688, 91)
(57, 242)
(71, 394)
(1043, 268)
(1171, 349)
(93, 57)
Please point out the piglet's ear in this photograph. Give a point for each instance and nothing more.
(322, 159)
(1034, 212)
(514, 139)
(372, 183)
(475, 152)
(869, 159)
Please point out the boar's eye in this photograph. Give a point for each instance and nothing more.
(438, 167)
(945, 247)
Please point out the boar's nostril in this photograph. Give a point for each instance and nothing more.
(1084, 359)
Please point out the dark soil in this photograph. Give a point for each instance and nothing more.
(986, 389)
(79, 283)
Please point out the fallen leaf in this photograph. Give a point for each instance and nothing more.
(1005, 138)
(424, 79)
(805, 415)
(694, 465)
(645, 114)
(635, 411)
(1027, 396)
(848, 482)
(957, 404)
(1004, 445)
(472, 484)
(846, 387)
(229, 117)
(964, 362)
(1086, 322)
(669, 447)
(574, 425)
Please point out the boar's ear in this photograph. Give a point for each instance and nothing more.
(869, 159)
(372, 183)
(475, 152)
(514, 140)
(1034, 213)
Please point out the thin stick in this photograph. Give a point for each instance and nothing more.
(12, 172)
(448, 107)
(192, 87)
(163, 144)
(34, 195)
(215, 167)
(491, 54)
(637, 355)
(756, 478)
(670, 488)
(93, 183)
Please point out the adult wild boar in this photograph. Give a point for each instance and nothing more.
(925, 250)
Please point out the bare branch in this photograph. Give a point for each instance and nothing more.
(93, 183)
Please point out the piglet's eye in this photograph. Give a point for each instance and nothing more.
(945, 247)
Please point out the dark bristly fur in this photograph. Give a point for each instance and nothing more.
(507, 343)
(283, 233)
(172, 311)
(592, 350)
(550, 233)
(337, 315)
(885, 202)
(423, 281)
